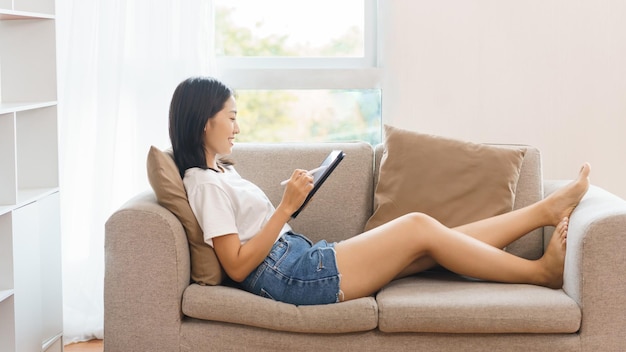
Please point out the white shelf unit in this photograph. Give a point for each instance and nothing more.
(31, 307)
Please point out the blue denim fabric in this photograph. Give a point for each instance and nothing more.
(297, 272)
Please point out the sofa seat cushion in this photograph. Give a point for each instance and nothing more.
(233, 305)
(447, 303)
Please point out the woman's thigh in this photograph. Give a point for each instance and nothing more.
(370, 260)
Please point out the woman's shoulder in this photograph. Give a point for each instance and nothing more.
(197, 176)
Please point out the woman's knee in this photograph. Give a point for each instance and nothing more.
(420, 220)
(417, 228)
(419, 231)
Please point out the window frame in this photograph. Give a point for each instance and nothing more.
(309, 72)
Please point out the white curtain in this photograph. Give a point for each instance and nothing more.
(118, 64)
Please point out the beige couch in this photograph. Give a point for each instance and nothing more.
(150, 304)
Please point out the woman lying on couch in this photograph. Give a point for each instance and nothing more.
(257, 248)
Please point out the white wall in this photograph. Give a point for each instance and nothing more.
(547, 73)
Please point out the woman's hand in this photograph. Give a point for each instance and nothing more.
(296, 191)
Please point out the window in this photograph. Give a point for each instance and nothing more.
(309, 115)
(303, 70)
(322, 28)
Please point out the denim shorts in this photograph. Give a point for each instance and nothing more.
(297, 272)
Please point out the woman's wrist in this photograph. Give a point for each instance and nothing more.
(284, 213)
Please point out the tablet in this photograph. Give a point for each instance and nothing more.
(327, 167)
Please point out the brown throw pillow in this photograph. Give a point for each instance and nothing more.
(170, 193)
(455, 182)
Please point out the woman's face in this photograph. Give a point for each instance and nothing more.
(220, 131)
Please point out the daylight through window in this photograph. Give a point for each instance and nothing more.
(303, 70)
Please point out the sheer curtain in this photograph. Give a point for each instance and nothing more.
(118, 64)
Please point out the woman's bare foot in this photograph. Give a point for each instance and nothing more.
(562, 203)
(553, 261)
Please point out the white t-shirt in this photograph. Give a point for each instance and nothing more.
(225, 203)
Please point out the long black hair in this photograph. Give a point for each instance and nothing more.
(195, 101)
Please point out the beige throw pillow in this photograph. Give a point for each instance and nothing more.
(170, 193)
(455, 182)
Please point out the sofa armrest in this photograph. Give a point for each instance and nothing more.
(147, 268)
(595, 265)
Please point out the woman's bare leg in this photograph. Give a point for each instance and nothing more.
(371, 260)
(502, 230)
(416, 242)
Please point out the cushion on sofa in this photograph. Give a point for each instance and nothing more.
(240, 307)
(448, 303)
(170, 193)
(454, 181)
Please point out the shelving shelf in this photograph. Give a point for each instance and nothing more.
(23, 15)
(27, 196)
(9, 107)
(4, 294)
(31, 304)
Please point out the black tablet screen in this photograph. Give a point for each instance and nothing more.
(330, 163)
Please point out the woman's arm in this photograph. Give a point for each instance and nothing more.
(239, 260)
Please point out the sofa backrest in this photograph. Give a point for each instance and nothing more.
(339, 209)
(343, 205)
(529, 190)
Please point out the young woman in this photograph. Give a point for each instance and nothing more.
(257, 248)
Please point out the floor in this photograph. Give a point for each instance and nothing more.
(89, 346)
